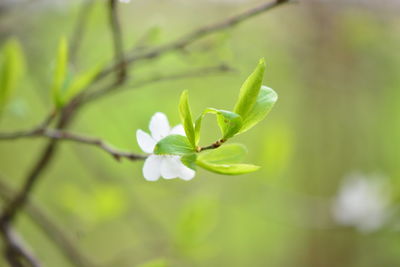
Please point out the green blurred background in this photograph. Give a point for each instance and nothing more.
(335, 66)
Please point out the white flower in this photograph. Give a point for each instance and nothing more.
(167, 166)
(125, 1)
(362, 202)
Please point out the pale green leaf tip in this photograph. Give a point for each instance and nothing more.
(262, 61)
(261, 64)
(184, 95)
(63, 46)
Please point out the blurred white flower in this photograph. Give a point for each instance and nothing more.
(167, 166)
(125, 1)
(362, 202)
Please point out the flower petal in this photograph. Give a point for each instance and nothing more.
(159, 126)
(151, 168)
(178, 129)
(145, 141)
(172, 167)
(186, 173)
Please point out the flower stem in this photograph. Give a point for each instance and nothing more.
(214, 145)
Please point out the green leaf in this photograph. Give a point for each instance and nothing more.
(186, 117)
(228, 169)
(60, 72)
(80, 82)
(229, 122)
(12, 67)
(225, 160)
(265, 101)
(250, 90)
(174, 145)
(189, 160)
(228, 153)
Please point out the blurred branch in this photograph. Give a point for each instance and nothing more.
(195, 35)
(68, 136)
(15, 252)
(54, 233)
(80, 27)
(117, 40)
(42, 130)
(222, 68)
(17, 202)
(44, 159)
(31, 132)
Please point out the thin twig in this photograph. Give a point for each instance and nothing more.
(222, 68)
(47, 155)
(117, 40)
(214, 145)
(50, 228)
(30, 132)
(40, 129)
(15, 252)
(194, 36)
(68, 136)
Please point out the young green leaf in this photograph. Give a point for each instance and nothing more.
(11, 69)
(265, 101)
(250, 90)
(229, 122)
(228, 169)
(60, 72)
(228, 153)
(80, 82)
(190, 160)
(186, 117)
(174, 145)
(225, 160)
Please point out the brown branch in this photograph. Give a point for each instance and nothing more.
(47, 155)
(15, 252)
(68, 136)
(18, 201)
(222, 68)
(194, 36)
(214, 145)
(51, 229)
(42, 130)
(121, 66)
(19, 134)
(30, 132)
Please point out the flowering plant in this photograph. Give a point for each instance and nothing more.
(176, 152)
(167, 166)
